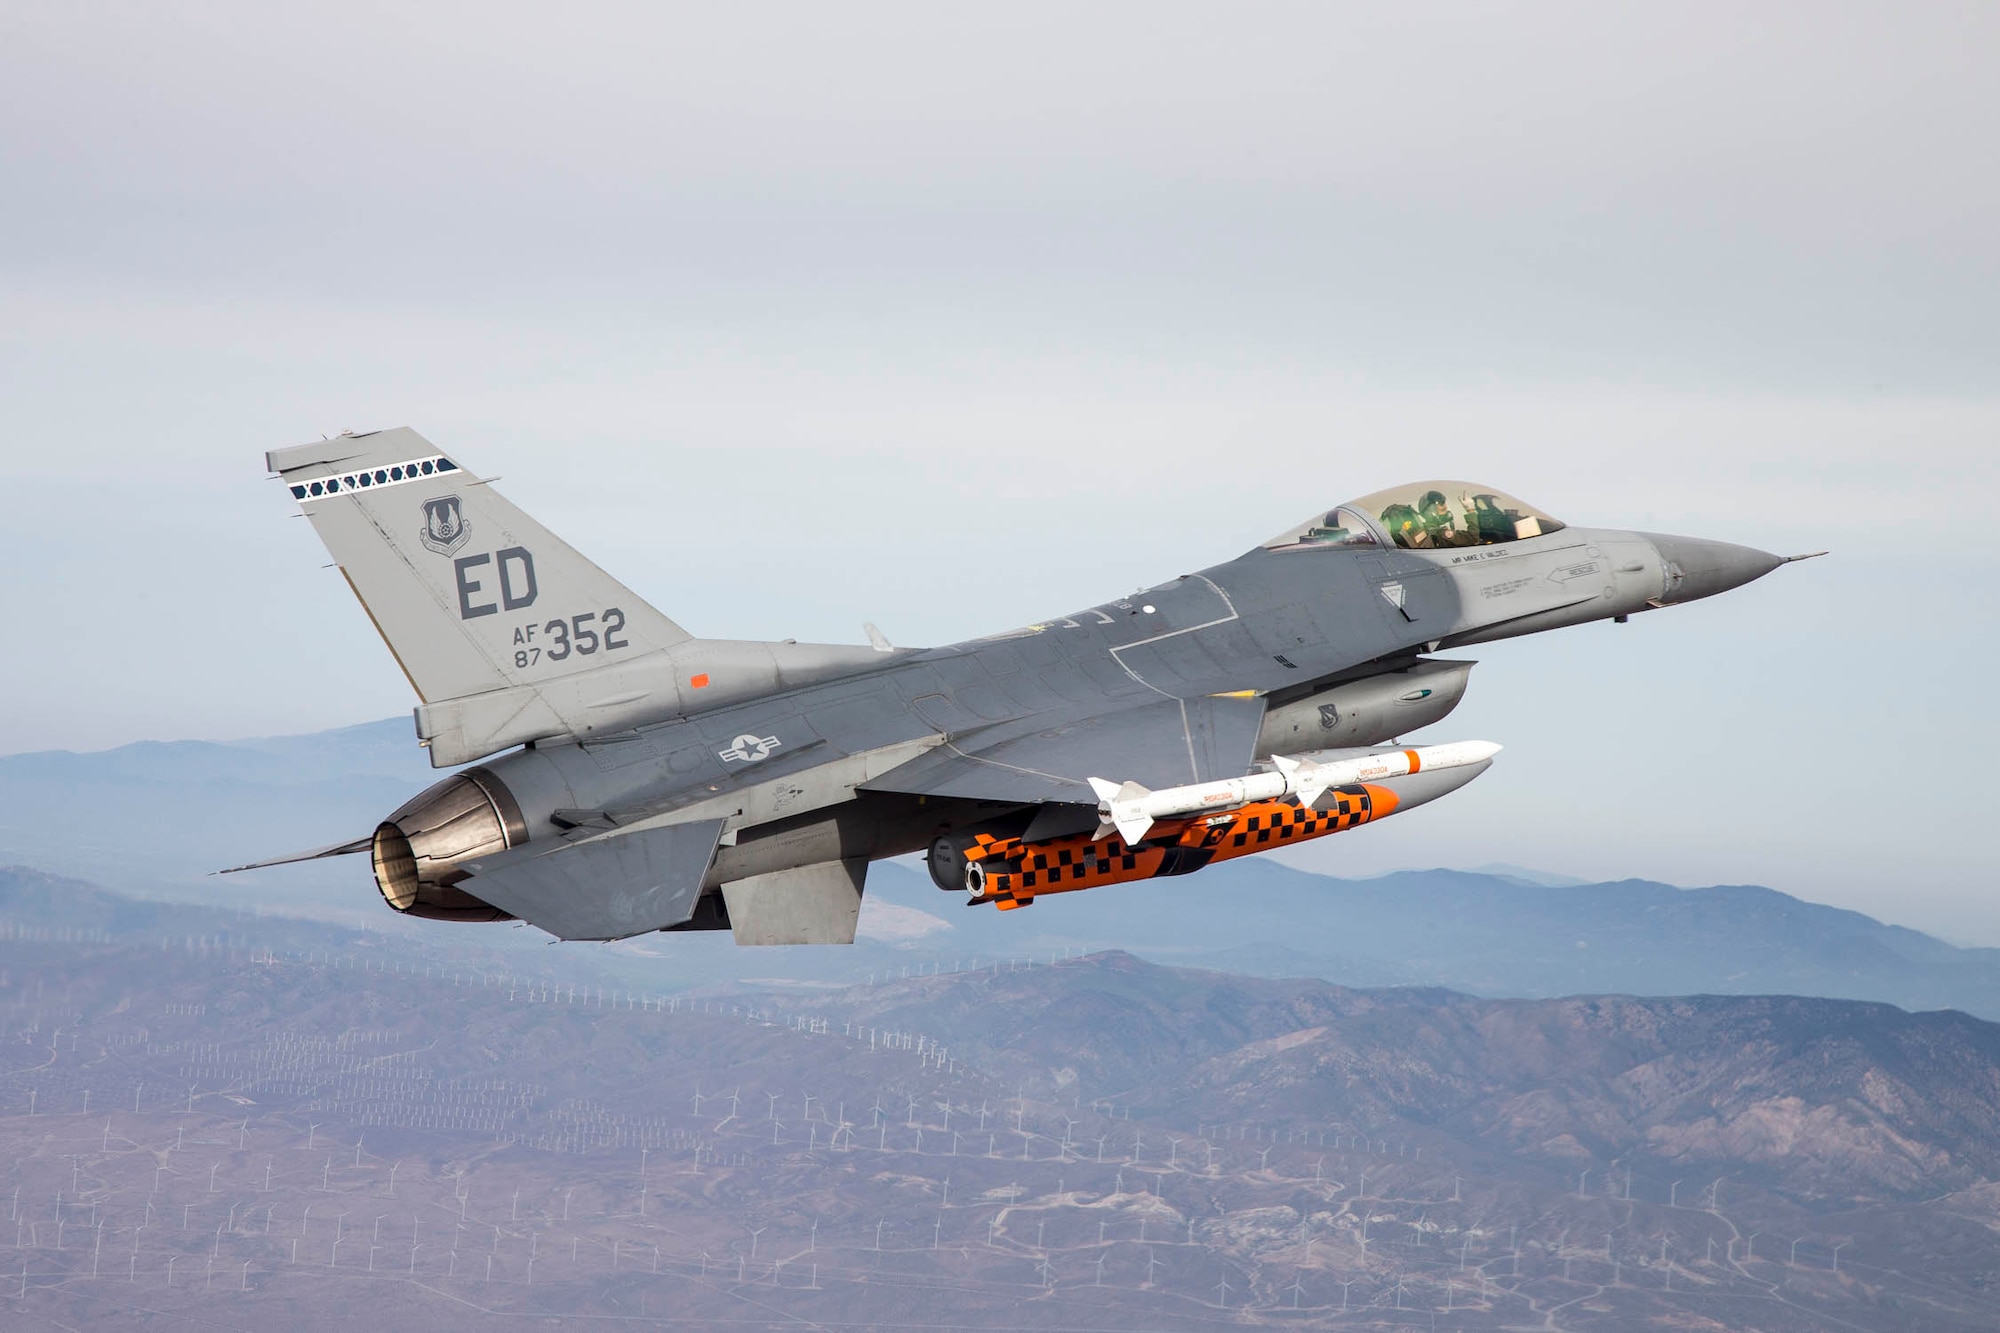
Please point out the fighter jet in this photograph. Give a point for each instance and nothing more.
(626, 776)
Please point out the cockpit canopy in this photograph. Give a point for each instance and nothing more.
(1422, 516)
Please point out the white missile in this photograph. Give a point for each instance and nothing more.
(1131, 809)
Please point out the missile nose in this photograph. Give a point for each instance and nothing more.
(1696, 567)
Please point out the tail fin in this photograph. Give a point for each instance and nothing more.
(470, 594)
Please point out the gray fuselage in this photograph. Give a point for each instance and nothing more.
(1278, 625)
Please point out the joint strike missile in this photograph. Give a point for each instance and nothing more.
(1183, 829)
(1130, 810)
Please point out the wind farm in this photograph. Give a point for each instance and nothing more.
(871, 1153)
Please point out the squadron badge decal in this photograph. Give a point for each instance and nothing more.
(445, 528)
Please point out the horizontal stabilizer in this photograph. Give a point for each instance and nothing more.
(605, 888)
(337, 849)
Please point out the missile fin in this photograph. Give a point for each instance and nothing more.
(1132, 825)
(1301, 779)
(1121, 808)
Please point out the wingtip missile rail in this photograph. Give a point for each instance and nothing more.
(1178, 830)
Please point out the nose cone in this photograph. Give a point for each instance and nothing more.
(1697, 568)
(1428, 784)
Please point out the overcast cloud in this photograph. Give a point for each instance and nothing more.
(795, 316)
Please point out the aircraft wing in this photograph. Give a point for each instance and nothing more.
(605, 887)
(1160, 744)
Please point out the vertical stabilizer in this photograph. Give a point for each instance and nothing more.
(470, 594)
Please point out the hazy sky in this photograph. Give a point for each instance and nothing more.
(796, 316)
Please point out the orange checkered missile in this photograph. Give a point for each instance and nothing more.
(1011, 873)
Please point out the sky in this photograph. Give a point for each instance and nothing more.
(795, 317)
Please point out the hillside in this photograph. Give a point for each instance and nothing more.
(1818, 1097)
(363, 1135)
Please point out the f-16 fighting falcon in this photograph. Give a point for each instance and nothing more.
(634, 778)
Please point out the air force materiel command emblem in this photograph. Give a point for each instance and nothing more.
(445, 528)
(748, 749)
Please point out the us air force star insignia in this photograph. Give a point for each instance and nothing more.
(445, 528)
(748, 749)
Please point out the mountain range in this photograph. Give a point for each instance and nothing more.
(357, 1134)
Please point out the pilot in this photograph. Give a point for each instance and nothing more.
(1435, 515)
(1405, 527)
